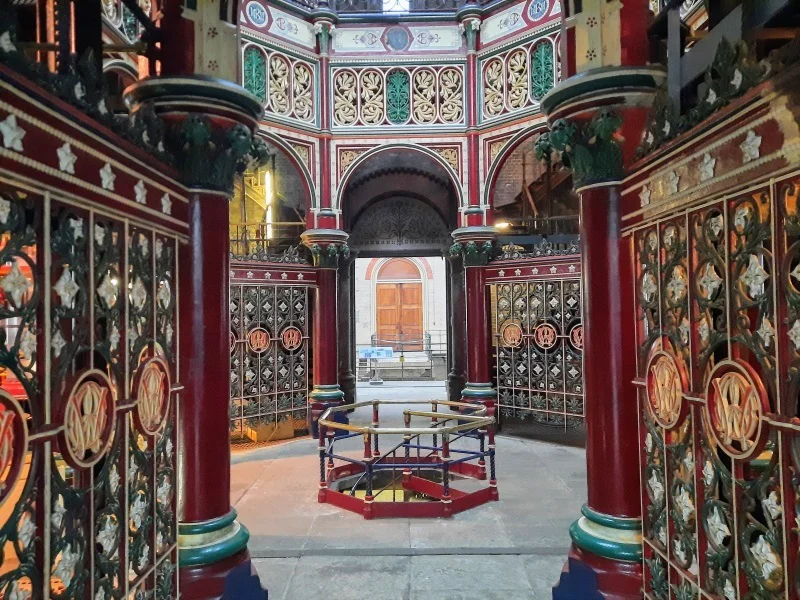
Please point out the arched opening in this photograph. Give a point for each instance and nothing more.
(532, 197)
(268, 208)
(400, 204)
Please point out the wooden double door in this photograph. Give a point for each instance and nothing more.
(399, 315)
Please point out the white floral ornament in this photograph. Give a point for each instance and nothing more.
(6, 45)
(729, 591)
(27, 344)
(688, 461)
(65, 569)
(5, 210)
(100, 595)
(707, 167)
(673, 180)
(656, 487)
(108, 535)
(15, 284)
(138, 294)
(679, 551)
(113, 479)
(662, 536)
(685, 330)
(15, 592)
(648, 442)
(99, 234)
(649, 287)
(66, 159)
(144, 558)
(766, 557)
(715, 224)
(712, 96)
(708, 473)
(107, 177)
(114, 337)
(718, 528)
(138, 511)
(57, 343)
(751, 146)
(766, 332)
(794, 334)
(644, 197)
(27, 532)
(141, 192)
(685, 505)
(12, 133)
(772, 505)
(709, 281)
(755, 276)
(166, 204)
(677, 285)
(66, 288)
(162, 494)
(736, 82)
(703, 330)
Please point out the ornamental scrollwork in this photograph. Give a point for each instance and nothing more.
(286, 85)
(373, 96)
(473, 253)
(518, 78)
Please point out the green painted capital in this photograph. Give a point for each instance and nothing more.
(324, 31)
(327, 256)
(210, 158)
(475, 254)
(326, 393)
(592, 150)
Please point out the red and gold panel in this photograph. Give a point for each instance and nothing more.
(717, 363)
(88, 406)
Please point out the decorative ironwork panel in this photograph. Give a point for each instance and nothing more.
(538, 336)
(89, 402)
(269, 360)
(718, 353)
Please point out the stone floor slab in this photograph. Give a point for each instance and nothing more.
(468, 573)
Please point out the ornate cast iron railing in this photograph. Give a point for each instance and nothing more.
(718, 360)
(270, 364)
(254, 241)
(537, 333)
(89, 401)
(414, 478)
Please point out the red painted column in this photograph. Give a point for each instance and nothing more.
(478, 351)
(609, 359)
(205, 335)
(327, 247)
(324, 334)
(475, 245)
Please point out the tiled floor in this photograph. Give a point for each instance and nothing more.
(511, 549)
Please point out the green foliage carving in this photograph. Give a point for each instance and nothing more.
(542, 74)
(592, 152)
(398, 97)
(255, 72)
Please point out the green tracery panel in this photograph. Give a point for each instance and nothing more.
(398, 97)
(255, 72)
(542, 74)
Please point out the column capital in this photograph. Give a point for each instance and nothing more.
(469, 23)
(208, 127)
(324, 26)
(327, 246)
(473, 244)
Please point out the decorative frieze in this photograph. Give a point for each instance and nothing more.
(286, 85)
(518, 78)
(422, 95)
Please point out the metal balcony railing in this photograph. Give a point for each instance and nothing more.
(267, 243)
(413, 478)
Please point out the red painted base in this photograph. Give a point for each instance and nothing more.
(591, 577)
(234, 578)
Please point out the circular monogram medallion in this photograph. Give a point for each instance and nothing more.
(576, 337)
(152, 387)
(291, 338)
(545, 336)
(511, 335)
(88, 419)
(735, 403)
(258, 340)
(13, 443)
(665, 385)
